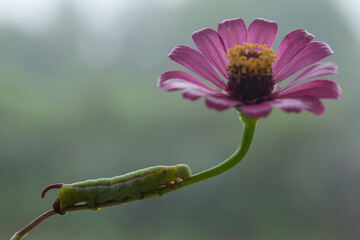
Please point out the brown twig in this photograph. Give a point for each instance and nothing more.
(24, 231)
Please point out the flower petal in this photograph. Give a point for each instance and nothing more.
(262, 31)
(195, 62)
(167, 78)
(191, 86)
(318, 88)
(321, 69)
(257, 110)
(211, 46)
(194, 93)
(289, 46)
(311, 53)
(233, 32)
(310, 104)
(220, 103)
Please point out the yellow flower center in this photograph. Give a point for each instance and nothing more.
(250, 73)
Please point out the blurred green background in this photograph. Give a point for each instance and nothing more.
(78, 100)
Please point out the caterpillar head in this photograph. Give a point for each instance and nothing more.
(167, 174)
(182, 171)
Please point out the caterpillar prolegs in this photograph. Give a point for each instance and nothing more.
(130, 185)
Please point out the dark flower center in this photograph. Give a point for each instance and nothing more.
(250, 73)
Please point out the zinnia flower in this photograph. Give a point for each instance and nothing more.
(245, 72)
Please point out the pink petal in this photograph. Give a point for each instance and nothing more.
(289, 46)
(211, 46)
(318, 88)
(195, 62)
(167, 78)
(321, 69)
(257, 110)
(262, 31)
(194, 93)
(310, 104)
(220, 103)
(233, 32)
(311, 53)
(191, 86)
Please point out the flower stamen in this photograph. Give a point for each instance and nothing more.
(250, 72)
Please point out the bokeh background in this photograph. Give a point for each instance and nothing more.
(78, 100)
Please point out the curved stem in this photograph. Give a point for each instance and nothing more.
(248, 133)
(249, 125)
(22, 233)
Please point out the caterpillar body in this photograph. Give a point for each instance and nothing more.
(130, 185)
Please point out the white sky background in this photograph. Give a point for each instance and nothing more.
(38, 13)
(33, 15)
(351, 13)
(99, 42)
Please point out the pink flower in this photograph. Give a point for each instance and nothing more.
(245, 73)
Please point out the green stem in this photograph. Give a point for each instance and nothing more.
(248, 133)
(22, 233)
(249, 130)
(249, 125)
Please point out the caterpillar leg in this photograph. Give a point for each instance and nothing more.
(56, 207)
(176, 181)
(91, 203)
(169, 186)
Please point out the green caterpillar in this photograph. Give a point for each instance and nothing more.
(130, 185)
